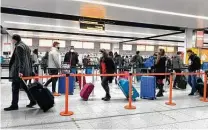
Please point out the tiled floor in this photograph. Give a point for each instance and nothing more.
(97, 114)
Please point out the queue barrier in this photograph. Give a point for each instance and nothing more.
(129, 105)
(66, 112)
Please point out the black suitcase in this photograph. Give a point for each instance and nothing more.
(182, 83)
(43, 96)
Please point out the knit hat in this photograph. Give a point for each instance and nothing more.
(16, 37)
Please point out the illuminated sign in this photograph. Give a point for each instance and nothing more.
(92, 25)
(199, 39)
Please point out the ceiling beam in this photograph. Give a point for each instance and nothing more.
(162, 35)
(31, 13)
(85, 34)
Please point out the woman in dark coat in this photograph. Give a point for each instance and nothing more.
(160, 67)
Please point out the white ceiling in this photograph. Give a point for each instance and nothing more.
(195, 15)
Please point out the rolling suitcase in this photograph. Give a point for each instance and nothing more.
(182, 83)
(148, 87)
(43, 96)
(124, 86)
(62, 87)
(86, 91)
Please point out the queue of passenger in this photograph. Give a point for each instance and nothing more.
(21, 65)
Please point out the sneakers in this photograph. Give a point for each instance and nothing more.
(11, 108)
(31, 104)
(56, 94)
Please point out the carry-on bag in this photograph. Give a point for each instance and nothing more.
(124, 86)
(182, 83)
(148, 87)
(200, 87)
(86, 91)
(42, 96)
(62, 85)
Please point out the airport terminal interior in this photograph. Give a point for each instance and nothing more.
(100, 52)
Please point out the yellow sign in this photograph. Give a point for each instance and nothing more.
(195, 50)
(204, 55)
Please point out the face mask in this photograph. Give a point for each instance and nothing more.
(58, 48)
(72, 50)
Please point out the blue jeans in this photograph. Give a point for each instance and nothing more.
(192, 83)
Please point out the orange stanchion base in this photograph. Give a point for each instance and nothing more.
(56, 94)
(171, 104)
(202, 99)
(69, 113)
(129, 107)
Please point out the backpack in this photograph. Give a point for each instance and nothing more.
(150, 62)
(177, 63)
(197, 61)
(137, 60)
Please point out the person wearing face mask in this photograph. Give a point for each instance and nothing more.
(71, 57)
(20, 65)
(54, 63)
(107, 66)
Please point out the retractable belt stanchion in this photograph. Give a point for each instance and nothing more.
(170, 102)
(204, 99)
(93, 80)
(130, 106)
(82, 78)
(66, 112)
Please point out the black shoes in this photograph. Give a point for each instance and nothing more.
(11, 108)
(191, 94)
(31, 104)
(159, 94)
(106, 98)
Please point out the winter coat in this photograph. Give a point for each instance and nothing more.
(54, 58)
(21, 62)
(71, 57)
(194, 63)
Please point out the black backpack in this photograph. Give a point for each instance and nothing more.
(197, 61)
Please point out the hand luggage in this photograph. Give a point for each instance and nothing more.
(80, 82)
(200, 87)
(62, 85)
(124, 86)
(148, 87)
(149, 62)
(182, 83)
(43, 96)
(88, 71)
(86, 91)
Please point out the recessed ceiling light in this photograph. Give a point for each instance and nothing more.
(142, 9)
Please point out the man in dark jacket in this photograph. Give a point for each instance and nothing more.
(20, 65)
(194, 65)
(107, 66)
(71, 57)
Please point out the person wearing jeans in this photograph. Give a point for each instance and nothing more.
(54, 64)
(194, 65)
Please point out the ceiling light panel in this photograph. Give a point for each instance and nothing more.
(142, 9)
